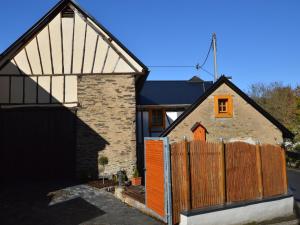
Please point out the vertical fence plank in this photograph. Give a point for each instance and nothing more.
(175, 184)
(259, 170)
(222, 175)
(186, 171)
(285, 183)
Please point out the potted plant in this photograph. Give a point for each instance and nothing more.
(136, 179)
(103, 161)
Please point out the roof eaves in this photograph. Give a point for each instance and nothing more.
(221, 80)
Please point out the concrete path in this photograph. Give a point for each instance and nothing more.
(65, 204)
(294, 186)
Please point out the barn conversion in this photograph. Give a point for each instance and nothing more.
(67, 96)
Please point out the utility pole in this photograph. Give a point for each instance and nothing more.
(214, 40)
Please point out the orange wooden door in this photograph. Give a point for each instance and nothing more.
(199, 134)
(154, 161)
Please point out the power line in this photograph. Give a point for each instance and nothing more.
(197, 66)
(207, 71)
(172, 66)
(209, 50)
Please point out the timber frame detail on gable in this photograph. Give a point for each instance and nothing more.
(68, 41)
(286, 133)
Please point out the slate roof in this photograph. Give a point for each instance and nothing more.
(172, 92)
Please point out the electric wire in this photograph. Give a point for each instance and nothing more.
(197, 66)
(209, 50)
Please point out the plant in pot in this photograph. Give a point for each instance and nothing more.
(136, 179)
(103, 161)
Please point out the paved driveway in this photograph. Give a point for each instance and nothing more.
(294, 186)
(64, 204)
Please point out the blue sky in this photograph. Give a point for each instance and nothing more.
(258, 41)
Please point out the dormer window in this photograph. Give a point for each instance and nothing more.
(223, 106)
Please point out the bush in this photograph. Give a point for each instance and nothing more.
(297, 148)
(135, 172)
(103, 161)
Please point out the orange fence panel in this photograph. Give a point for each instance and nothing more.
(273, 170)
(242, 182)
(154, 160)
(207, 174)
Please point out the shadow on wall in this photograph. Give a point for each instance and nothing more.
(40, 138)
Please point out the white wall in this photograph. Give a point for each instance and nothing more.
(171, 117)
(243, 215)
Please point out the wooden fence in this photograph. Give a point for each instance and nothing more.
(209, 174)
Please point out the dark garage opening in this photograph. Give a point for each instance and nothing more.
(37, 143)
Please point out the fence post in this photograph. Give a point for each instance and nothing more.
(187, 168)
(259, 170)
(223, 172)
(284, 170)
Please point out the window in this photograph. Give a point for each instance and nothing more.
(157, 118)
(223, 106)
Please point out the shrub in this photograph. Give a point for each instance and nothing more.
(103, 161)
(135, 172)
(297, 148)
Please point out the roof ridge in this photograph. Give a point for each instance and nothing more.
(177, 81)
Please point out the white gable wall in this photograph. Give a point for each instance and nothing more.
(53, 59)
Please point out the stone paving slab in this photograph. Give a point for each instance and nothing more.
(48, 204)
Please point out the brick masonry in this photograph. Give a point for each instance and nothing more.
(106, 123)
(247, 124)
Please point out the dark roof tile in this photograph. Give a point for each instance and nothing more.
(172, 92)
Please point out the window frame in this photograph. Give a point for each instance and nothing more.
(229, 111)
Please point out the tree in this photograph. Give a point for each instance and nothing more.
(283, 102)
(103, 161)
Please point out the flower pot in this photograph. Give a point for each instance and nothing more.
(136, 181)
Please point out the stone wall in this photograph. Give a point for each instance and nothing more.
(106, 123)
(247, 124)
